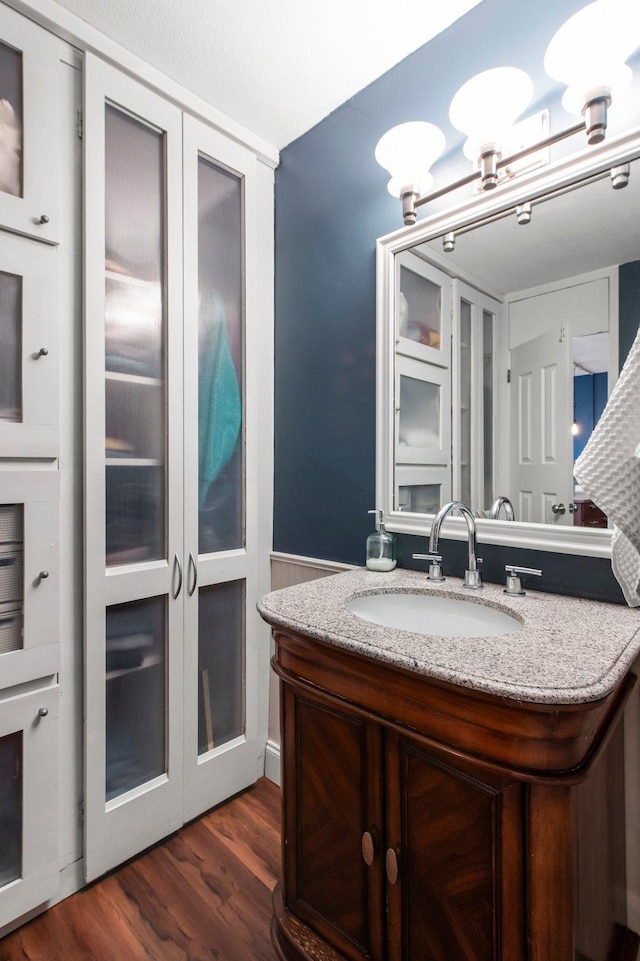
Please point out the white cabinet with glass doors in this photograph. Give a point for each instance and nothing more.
(29, 480)
(422, 408)
(171, 474)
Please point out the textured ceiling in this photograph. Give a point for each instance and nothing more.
(276, 66)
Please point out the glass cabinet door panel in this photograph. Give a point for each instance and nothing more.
(465, 412)
(136, 695)
(28, 347)
(423, 310)
(10, 347)
(135, 324)
(30, 124)
(11, 577)
(488, 392)
(221, 630)
(423, 416)
(11, 120)
(10, 808)
(220, 359)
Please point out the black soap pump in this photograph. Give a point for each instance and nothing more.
(381, 546)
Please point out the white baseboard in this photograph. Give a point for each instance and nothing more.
(272, 762)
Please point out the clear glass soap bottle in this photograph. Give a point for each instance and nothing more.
(381, 546)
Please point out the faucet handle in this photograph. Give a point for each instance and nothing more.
(514, 584)
(435, 567)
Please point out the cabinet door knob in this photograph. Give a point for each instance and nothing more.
(44, 575)
(42, 352)
(391, 865)
(369, 847)
(43, 711)
(43, 219)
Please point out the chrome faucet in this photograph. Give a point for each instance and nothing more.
(472, 574)
(499, 502)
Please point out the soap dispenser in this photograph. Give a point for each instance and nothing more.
(381, 546)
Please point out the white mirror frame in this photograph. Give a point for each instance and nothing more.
(559, 176)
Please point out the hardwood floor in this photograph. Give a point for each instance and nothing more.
(203, 894)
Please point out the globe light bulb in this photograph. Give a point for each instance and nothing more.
(589, 51)
(407, 152)
(487, 106)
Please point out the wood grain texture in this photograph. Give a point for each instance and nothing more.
(203, 894)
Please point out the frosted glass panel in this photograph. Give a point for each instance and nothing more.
(11, 121)
(487, 413)
(420, 498)
(465, 402)
(10, 346)
(136, 694)
(220, 386)
(420, 309)
(135, 325)
(419, 424)
(221, 634)
(10, 808)
(11, 577)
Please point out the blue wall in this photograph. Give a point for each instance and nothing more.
(331, 205)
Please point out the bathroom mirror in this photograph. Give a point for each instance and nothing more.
(498, 334)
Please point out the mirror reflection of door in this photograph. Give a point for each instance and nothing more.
(550, 330)
(541, 463)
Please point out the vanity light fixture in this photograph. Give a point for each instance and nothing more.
(523, 213)
(620, 176)
(587, 53)
(407, 152)
(486, 108)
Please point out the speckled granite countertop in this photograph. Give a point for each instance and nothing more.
(568, 650)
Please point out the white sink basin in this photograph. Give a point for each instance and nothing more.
(433, 614)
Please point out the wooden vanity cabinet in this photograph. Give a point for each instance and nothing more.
(412, 833)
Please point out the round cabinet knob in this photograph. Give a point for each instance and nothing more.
(43, 711)
(44, 575)
(558, 509)
(43, 352)
(43, 219)
(391, 865)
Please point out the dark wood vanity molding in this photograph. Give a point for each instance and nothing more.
(424, 821)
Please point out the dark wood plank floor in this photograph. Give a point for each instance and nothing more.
(203, 894)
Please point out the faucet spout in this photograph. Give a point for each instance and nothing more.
(472, 575)
(499, 502)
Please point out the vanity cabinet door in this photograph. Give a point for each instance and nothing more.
(333, 878)
(453, 859)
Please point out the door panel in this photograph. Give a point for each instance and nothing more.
(331, 798)
(134, 470)
(220, 517)
(459, 846)
(28, 348)
(28, 801)
(29, 576)
(541, 416)
(29, 162)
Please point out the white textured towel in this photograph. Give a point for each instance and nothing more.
(609, 471)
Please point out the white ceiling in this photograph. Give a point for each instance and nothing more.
(276, 66)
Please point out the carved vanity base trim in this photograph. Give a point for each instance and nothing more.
(294, 941)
